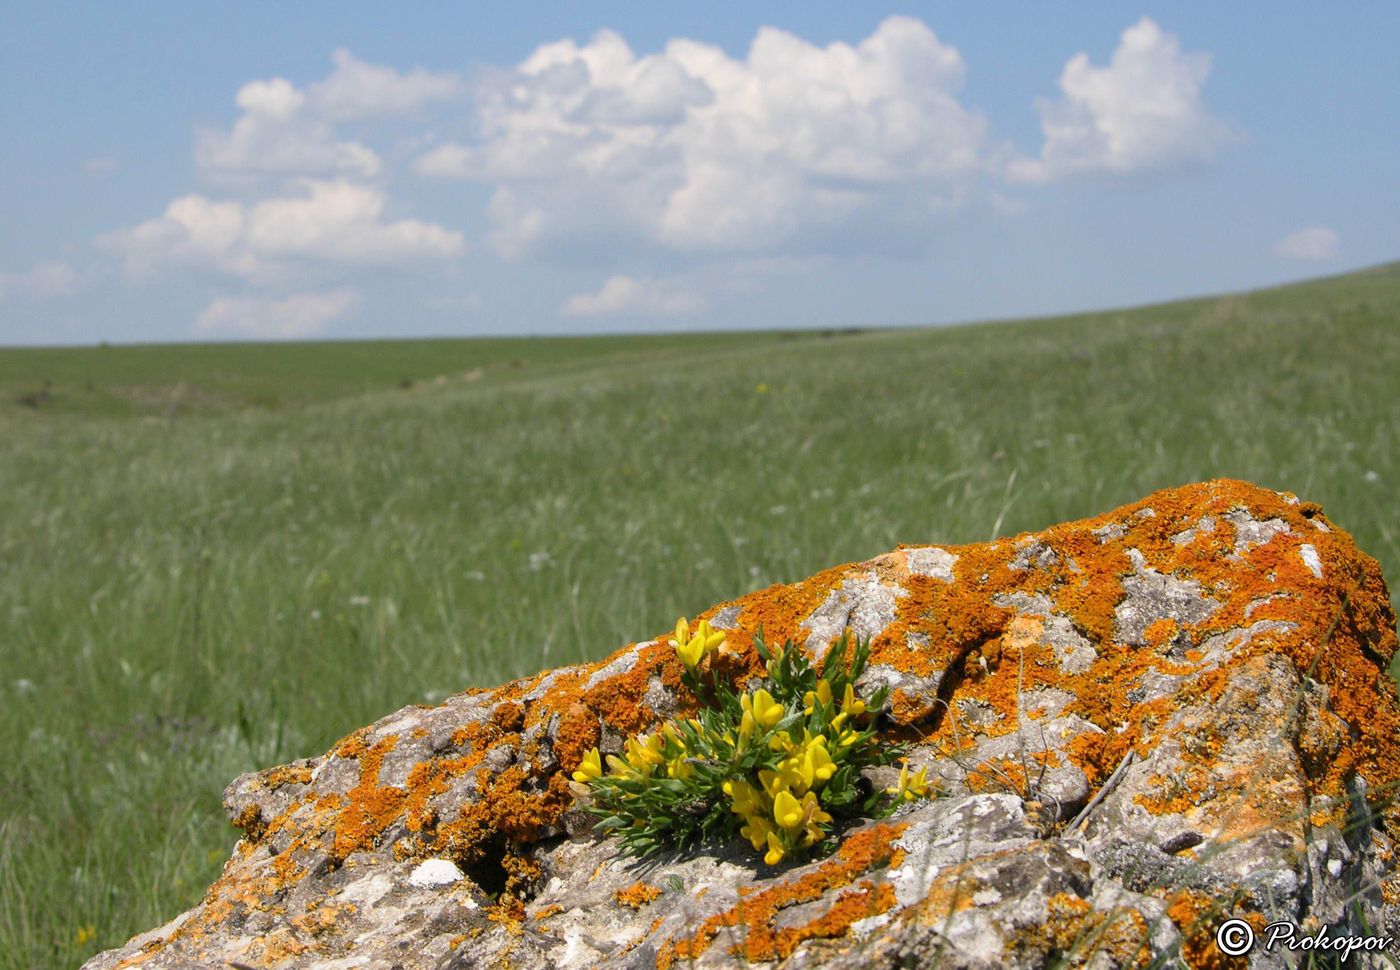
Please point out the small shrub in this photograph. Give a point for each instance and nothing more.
(776, 764)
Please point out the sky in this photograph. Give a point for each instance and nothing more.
(271, 171)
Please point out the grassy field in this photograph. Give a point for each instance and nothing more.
(220, 558)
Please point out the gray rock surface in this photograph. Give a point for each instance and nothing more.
(1141, 725)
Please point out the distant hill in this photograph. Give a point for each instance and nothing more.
(164, 379)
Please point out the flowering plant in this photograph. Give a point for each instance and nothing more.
(775, 763)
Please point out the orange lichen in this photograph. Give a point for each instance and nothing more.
(851, 906)
(275, 778)
(1074, 930)
(522, 872)
(1197, 915)
(370, 807)
(636, 895)
(577, 734)
(279, 945)
(287, 868)
(1078, 578)
(1160, 632)
(756, 912)
(779, 610)
(1067, 924)
(509, 716)
(950, 891)
(317, 920)
(250, 820)
(508, 912)
(619, 700)
(1001, 775)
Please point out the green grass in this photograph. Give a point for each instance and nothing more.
(200, 586)
(187, 379)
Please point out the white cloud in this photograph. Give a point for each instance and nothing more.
(1143, 112)
(101, 165)
(296, 316)
(358, 91)
(628, 296)
(334, 222)
(1315, 244)
(43, 280)
(276, 135)
(284, 130)
(193, 230)
(695, 150)
(343, 222)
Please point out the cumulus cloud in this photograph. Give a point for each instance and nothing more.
(698, 151)
(285, 130)
(1141, 113)
(276, 135)
(299, 315)
(358, 91)
(42, 280)
(343, 222)
(1315, 244)
(628, 296)
(333, 221)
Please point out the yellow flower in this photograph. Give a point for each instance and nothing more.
(745, 730)
(690, 652)
(812, 819)
(822, 694)
(774, 855)
(692, 648)
(86, 933)
(758, 830)
(817, 766)
(620, 768)
(790, 771)
(910, 788)
(808, 764)
(644, 753)
(787, 811)
(744, 799)
(766, 711)
(673, 735)
(850, 704)
(590, 768)
(772, 782)
(919, 783)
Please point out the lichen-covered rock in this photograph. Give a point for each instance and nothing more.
(1142, 724)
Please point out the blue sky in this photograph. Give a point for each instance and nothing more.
(177, 172)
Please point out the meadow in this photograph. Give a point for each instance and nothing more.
(220, 558)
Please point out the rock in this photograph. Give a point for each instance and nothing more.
(1142, 724)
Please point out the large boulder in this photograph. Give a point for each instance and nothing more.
(1143, 724)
